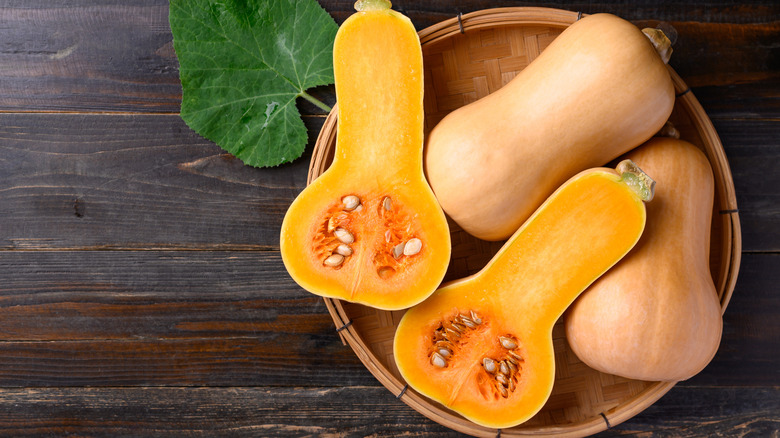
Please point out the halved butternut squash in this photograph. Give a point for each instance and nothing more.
(656, 314)
(369, 229)
(482, 345)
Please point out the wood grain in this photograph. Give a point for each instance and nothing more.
(116, 57)
(236, 318)
(134, 181)
(141, 288)
(335, 411)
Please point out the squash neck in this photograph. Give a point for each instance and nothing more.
(583, 229)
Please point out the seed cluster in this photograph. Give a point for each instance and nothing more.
(338, 232)
(449, 333)
(505, 372)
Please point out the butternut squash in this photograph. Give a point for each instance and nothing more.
(369, 229)
(482, 346)
(597, 91)
(656, 314)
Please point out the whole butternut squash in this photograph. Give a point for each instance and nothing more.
(597, 91)
(482, 345)
(656, 314)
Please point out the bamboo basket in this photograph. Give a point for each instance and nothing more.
(465, 58)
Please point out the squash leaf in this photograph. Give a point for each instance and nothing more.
(243, 64)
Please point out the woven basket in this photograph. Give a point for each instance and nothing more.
(465, 58)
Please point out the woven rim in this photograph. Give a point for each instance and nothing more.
(727, 221)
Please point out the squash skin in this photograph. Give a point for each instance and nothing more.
(379, 87)
(581, 230)
(656, 314)
(599, 90)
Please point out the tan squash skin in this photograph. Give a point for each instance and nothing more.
(599, 90)
(656, 314)
(584, 228)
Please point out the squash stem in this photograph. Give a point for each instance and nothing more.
(662, 44)
(372, 5)
(636, 179)
(315, 101)
(668, 130)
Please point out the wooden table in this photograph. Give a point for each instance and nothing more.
(142, 289)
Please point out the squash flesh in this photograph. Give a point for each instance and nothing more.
(379, 88)
(575, 236)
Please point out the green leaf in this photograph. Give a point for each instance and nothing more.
(243, 64)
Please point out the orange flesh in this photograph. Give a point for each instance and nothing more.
(582, 229)
(379, 146)
(378, 71)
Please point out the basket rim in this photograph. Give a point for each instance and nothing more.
(551, 17)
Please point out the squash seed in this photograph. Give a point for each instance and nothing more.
(334, 260)
(438, 361)
(459, 327)
(502, 379)
(387, 203)
(444, 352)
(477, 320)
(512, 384)
(503, 391)
(507, 342)
(350, 202)
(450, 332)
(465, 320)
(344, 250)
(413, 246)
(516, 356)
(489, 364)
(503, 368)
(343, 235)
(398, 251)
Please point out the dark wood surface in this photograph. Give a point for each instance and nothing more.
(141, 288)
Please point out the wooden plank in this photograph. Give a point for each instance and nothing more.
(749, 351)
(138, 181)
(754, 159)
(236, 318)
(135, 181)
(110, 56)
(333, 411)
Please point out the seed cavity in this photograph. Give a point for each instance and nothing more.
(504, 370)
(350, 202)
(334, 260)
(412, 247)
(343, 235)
